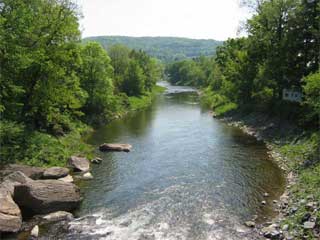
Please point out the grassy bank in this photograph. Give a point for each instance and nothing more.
(42, 149)
(143, 101)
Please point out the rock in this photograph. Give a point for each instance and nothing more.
(266, 194)
(110, 147)
(55, 173)
(14, 179)
(87, 176)
(79, 164)
(275, 201)
(306, 217)
(309, 225)
(250, 224)
(45, 196)
(263, 202)
(34, 232)
(285, 227)
(31, 172)
(96, 160)
(58, 216)
(310, 206)
(10, 214)
(310, 197)
(67, 179)
(271, 232)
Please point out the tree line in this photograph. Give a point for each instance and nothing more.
(51, 83)
(281, 52)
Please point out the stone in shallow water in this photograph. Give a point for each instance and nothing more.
(58, 216)
(115, 147)
(79, 164)
(45, 196)
(68, 179)
(34, 232)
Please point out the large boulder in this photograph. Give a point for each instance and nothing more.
(79, 163)
(31, 172)
(10, 214)
(14, 179)
(55, 173)
(45, 196)
(115, 147)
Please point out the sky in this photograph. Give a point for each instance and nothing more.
(199, 19)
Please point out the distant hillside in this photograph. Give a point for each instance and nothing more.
(167, 49)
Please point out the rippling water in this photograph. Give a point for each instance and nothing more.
(188, 176)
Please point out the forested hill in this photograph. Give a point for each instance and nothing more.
(167, 49)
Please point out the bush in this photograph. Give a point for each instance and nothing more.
(312, 94)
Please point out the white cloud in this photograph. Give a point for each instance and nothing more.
(215, 19)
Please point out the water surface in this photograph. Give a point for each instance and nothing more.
(189, 176)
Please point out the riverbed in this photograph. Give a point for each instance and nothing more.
(188, 176)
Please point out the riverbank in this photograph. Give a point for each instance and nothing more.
(297, 153)
(32, 174)
(41, 149)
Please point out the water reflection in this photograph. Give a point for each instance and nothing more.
(189, 176)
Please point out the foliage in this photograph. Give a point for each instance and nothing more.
(281, 49)
(166, 49)
(51, 84)
(312, 92)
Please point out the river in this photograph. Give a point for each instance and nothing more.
(189, 176)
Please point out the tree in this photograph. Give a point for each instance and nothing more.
(96, 79)
(134, 80)
(39, 61)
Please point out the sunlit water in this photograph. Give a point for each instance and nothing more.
(189, 176)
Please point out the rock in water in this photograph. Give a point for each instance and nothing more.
(87, 176)
(34, 232)
(115, 147)
(58, 216)
(96, 160)
(45, 196)
(31, 172)
(10, 215)
(55, 173)
(67, 179)
(79, 164)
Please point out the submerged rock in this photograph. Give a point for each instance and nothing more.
(115, 147)
(96, 160)
(45, 196)
(10, 214)
(79, 164)
(55, 173)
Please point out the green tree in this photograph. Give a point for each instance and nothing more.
(39, 61)
(134, 80)
(96, 79)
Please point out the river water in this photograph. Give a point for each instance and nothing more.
(189, 176)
